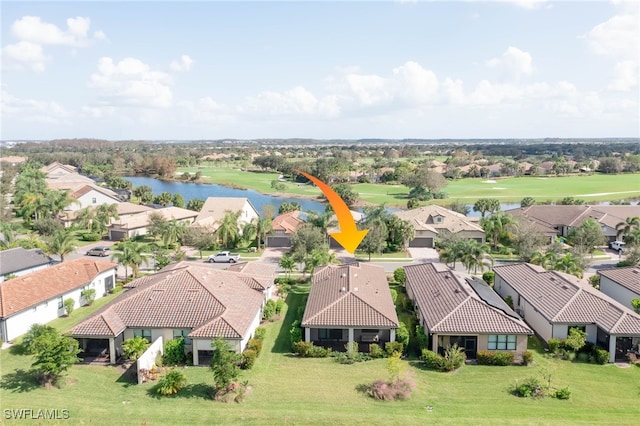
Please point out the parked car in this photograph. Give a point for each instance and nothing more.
(224, 257)
(617, 245)
(99, 251)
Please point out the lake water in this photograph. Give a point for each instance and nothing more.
(204, 190)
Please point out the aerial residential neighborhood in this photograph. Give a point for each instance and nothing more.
(320, 213)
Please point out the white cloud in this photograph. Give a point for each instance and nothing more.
(32, 110)
(514, 63)
(625, 76)
(33, 29)
(414, 83)
(24, 55)
(530, 4)
(131, 82)
(294, 102)
(618, 37)
(183, 64)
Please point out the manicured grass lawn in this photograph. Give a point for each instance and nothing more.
(595, 187)
(288, 390)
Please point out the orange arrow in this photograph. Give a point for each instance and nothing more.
(349, 237)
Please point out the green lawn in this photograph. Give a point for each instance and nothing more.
(288, 390)
(595, 187)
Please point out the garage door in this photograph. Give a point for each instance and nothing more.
(117, 235)
(278, 242)
(421, 242)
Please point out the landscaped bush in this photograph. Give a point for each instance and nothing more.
(391, 391)
(554, 345)
(399, 276)
(174, 352)
(89, 295)
(489, 277)
(91, 236)
(454, 357)
(527, 357)
(402, 335)
(269, 310)
(260, 333)
(171, 383)
(309, 350)
(375, 351)
(255, 344)
(530, 387)
(279, 306)
(134, 347)
(495, 358)
(601, 356)
(562, 393)
(509, 301)
(351, 357)
(423, 340)
(68, 304)
(393, 347)
(432, 360)
(248, 359)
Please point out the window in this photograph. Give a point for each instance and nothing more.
(60, 303)
(183, 333)
(108, 283)
(143, 332)
(438, 219)
(330, 334)
(502, 342)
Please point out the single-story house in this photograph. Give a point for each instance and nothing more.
(553, 302)
(19, 261)
(282, 227)
(349, 303)
(136, 224)
(562, 218)
(357, 218)
(431, 221)
(258, 275)
(463, 311)
(37, 298)
(215, 208)
(194, 301)
(621, 284)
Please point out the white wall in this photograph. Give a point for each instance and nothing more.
(148, 359)
(617, 292)
(247, 215)
(47, 311)
(25, 271)
(86, 200)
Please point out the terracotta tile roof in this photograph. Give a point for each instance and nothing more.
(83, 189)
(18, 259)
(562, 298)
(353, 295)
(423, 219)
(199, 297)
(127, 208)
(574, 215)
(449, 304)
(262, 269)
(215, 208)
(141, 220)
(28, 290)
(287, 222)
(628, 278)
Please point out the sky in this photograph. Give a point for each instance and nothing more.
(323, 70)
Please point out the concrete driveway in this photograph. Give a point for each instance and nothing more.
(424, 254)
(273, 254)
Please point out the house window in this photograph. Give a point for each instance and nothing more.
(143, 332)
(438, 219)
(183, 333)
(108, 283)
(502, 342)
(330, 334)
(60, 303)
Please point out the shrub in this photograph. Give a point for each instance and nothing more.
(423, 340)
(91, 236)
(248, 359)
(89, 295)
(376, 351)
(562, 393)
(488, 277)
(309, 350)
(402, 334)
(260, 333)
(269, 310)
(575, 340)
(509, 301)
(68, 305)
(133, 348)
(279, 306)
(171, 383)
(601, 356)
(529, 387)
(432, 360)
(454, 357)
(399, 276)
(390, 391)
(495, 358)
(295, 332)
(33, 334)
(554, 345)
(393, 347)
(394, 296)
(174, 351)
(255, 344)
(527, 357)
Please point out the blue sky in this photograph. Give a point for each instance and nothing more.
(326, 70)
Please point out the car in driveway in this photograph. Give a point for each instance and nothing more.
(224, 257)
(99, 251)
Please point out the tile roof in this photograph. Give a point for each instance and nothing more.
(262, 269)
(574, 215)
(127, 208)
(140, 220)
(215, 208)
(450, 305)
(31, 289)
(626, 277)
(562, 299)
(18, 259)
(288, 222)
(353, 295)
(211, 302)
(423, 219)
(84, 189)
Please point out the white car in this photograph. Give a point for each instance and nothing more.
(224, 257)
(617, 245)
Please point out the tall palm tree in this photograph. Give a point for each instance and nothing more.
(249, 232)
(474, 255)
(57, 201)
(62, 243)
(173, 231)
(8, 235)
(131, 254)
(496, 225)
(104, 214)
(569, 264)
(628, 225)
(323, 221)
(227, 230)
(288, 263)
(263, 227)
(84, 217)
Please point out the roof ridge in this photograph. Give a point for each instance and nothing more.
(328, 306)
(374, 309)
(571, 299)
(452, 312)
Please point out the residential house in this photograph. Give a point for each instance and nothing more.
(553, 302)
(432, 221)
(562, 218)
(37, 297)
(194, 301)
(136, 224)
(349, 303)
(357, 218)
(463, 311)
(215, 208)
(282, 228)
(259, 275)
(621, 284)
(19, 261)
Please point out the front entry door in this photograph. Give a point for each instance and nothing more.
(470, 346)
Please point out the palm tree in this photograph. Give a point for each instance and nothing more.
(104, 214)
(288, 263)
(496, 225)
(249, 232)
(173, 231)
(228, 229)
(569, 264)
(474, 255)
(84, 218)
(57, 201)
(8, 235)
(62, 243)
(263, 227)
(323, 221)
(131, 253)
(628, 225)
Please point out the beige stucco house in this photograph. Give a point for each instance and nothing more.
(621, 284)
